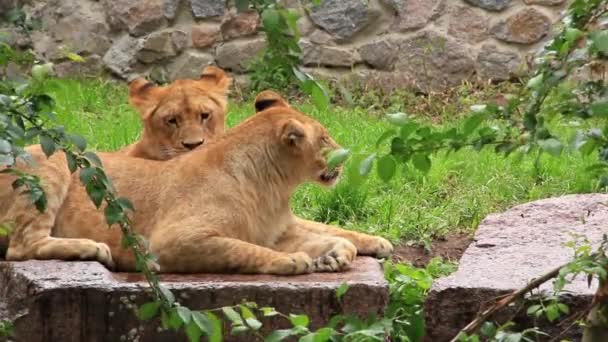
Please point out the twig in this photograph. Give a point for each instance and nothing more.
(476, 323)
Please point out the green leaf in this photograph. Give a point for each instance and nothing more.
(175, 322)
(232, 315)
(366, 165)
(341, 290)
(600, 41)
(125, 204)
(552, 146)
(408, 129)
(279, 335)
(323, 334)
(253, 323)
(93, 158)
(184, 314)
(78, 141)
(5, 146)
(96, 194)
(387, 134)
(168, 294)
(599, 109)
(337, 157)
(194, 332)
(250, 318)
(241, 5)
(71, 159)
(238, 329)
(202, 322)
(87, 174)
(319, 97)
(472, 123)
(535, 82)
(270, 19)
(216, 325)
(533, 309)
(386, 167)
(552, 312)
(47, 144)
(563, 308)
(113, 214)
(422, 162)
(572, 34)
(397, 119)
(299, 320)
(148, 310)
(488, 329)
(75, 57)
(515, 337)
(268, 311)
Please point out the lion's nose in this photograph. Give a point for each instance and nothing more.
(191, 145)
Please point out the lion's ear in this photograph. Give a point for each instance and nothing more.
(292, 133)
(216, 78)
(144, 96)
(268, 99)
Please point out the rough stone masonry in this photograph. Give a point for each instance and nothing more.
(396, 43)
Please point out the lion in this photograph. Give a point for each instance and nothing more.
(224, 208)
(176, 118)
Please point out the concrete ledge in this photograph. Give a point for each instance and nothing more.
(509, 250)
(83, 301)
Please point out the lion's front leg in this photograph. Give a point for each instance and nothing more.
(366, 244)
(189, 249)
(329, 253)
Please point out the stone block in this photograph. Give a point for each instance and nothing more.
(508, 251)
(83, 301)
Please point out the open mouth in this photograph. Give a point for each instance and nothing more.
(329, 176)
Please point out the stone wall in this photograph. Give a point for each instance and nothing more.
(427, 43)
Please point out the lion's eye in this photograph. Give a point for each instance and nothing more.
(205, 116)
(172, 122)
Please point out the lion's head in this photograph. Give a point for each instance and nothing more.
(304, 140)
(180, 116)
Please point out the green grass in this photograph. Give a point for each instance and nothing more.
(458, 192)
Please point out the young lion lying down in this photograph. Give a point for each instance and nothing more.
(222, 208)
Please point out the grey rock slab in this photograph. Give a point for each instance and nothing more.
(433, 61)
(137, 16)
(321, 55)
(497, 64)
(237, 54)
(121, 57)
(468, 24)
(510, 249)
(380, 54)
(208, 8)
(83, 301)
(73, 26)
(545, 2)
(415, 14)
(490, 5)
(189, 64)
(526, 26)
(341, 18)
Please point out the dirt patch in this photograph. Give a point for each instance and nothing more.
(451, 247)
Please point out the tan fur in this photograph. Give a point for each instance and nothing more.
(223, 208)
(183, 100)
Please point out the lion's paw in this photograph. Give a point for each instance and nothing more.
(337, 259)
(291, 264)
(378, 247)
(100, 252)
